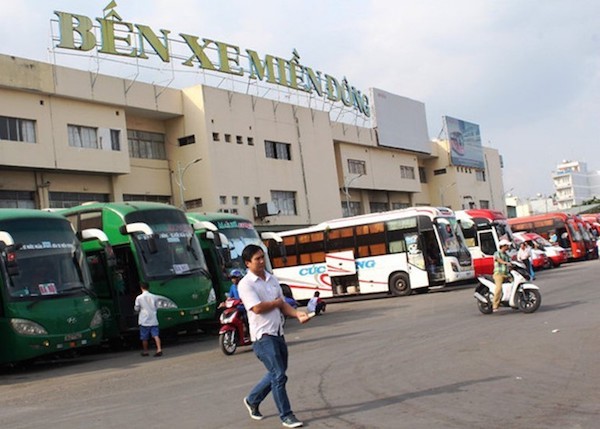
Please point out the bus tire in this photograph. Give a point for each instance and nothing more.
(400, 285)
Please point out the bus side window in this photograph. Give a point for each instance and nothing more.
(370, 239)
(339, 240)
(487, 243)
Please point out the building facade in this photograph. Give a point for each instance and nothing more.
(69, 136)
(574, 184)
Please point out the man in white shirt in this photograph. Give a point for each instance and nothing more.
(263, 298)
(145, 305)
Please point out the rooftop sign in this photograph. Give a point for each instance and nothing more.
(136, 41)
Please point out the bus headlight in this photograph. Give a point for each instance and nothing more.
(212, 297)
(96, 320)
(163, 302)
(27, 327)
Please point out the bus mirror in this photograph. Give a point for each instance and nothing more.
(224, 240)
(271, 236)
(6, 239)
(94, 234)
(209, 235)
(136, 227)
(204, 224)
(152, 246)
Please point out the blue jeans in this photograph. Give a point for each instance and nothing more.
(273, 353)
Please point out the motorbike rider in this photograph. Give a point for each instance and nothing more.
(501, 265)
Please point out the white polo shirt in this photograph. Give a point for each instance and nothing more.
(254, 290)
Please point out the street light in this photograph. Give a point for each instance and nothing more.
(346, 184)
(179, 178)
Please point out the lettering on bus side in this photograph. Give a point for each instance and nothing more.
(321, 269)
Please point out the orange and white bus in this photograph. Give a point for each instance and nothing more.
(483, 229)
(558, 228)
(399, 252)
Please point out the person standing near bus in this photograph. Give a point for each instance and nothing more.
(266, 306)
(501, 264)
(524, 255)
(145, 306)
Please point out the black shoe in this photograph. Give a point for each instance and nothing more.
(253, 411)
(291, 422)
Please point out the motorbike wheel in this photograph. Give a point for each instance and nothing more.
(485, 307)
(529, 300)
(228, 342)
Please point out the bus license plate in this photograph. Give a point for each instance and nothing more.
(71, 337)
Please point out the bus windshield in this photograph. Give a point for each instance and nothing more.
(173, 250)
(451, 237)
(49, 259)
(240, 234)
(503, 230)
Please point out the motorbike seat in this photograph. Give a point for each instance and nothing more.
(488, 277)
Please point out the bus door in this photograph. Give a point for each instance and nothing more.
(417, 267)
(487, 244)
(433, 257)
(341, 268)
(126, 283)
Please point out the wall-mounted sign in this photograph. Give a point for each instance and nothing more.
(465, 143)
(126, 39)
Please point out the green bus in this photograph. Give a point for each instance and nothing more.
(132, 242)
(46, 301)
(223, 237)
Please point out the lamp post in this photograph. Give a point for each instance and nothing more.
(180, 172)
(346, 184)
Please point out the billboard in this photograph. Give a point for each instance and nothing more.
(400, 122)
(464, 139)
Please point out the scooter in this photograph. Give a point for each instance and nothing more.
(518, 293)
(234, 330)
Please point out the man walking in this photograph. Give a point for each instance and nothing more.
(264, 300)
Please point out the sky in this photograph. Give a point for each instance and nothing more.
(528, 72)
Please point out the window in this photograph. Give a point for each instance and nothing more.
(351, 208)
(439, 171)
(59, 200)
(17, 200)
(256, 200)
(285, 201)
(484, 204)
(146, 145)
(184, 141)
(115, 140)
(193, 204)
(84, 137)
(227, 138)
(397, 206)
(165, 199)
(18, 130)
(356, 166)
(370, 240)
(278, 150)
(407, 172)
(216, 137)
(480, 176)
(378, 207)
(239, 140)
(223, 199)
(422, 175)
(234, 200)
(250, 141)
(246, 201)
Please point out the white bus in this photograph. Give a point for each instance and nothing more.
(400, 251)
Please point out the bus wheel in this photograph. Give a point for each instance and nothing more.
(400, 285)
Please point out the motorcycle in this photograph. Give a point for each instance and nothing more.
(234, 331)
(518, 293)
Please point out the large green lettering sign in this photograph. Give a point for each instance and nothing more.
(117, 37)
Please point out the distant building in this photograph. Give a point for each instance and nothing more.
(574, 184)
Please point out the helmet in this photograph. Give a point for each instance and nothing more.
(504, 242)
(236, 273)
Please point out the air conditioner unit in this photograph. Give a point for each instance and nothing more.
(266, 209)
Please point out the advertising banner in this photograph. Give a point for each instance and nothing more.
(465, 143)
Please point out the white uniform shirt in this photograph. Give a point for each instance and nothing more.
(145, 304)
(524, 254)
(254, 290)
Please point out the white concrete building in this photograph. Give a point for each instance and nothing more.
(574, 184)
